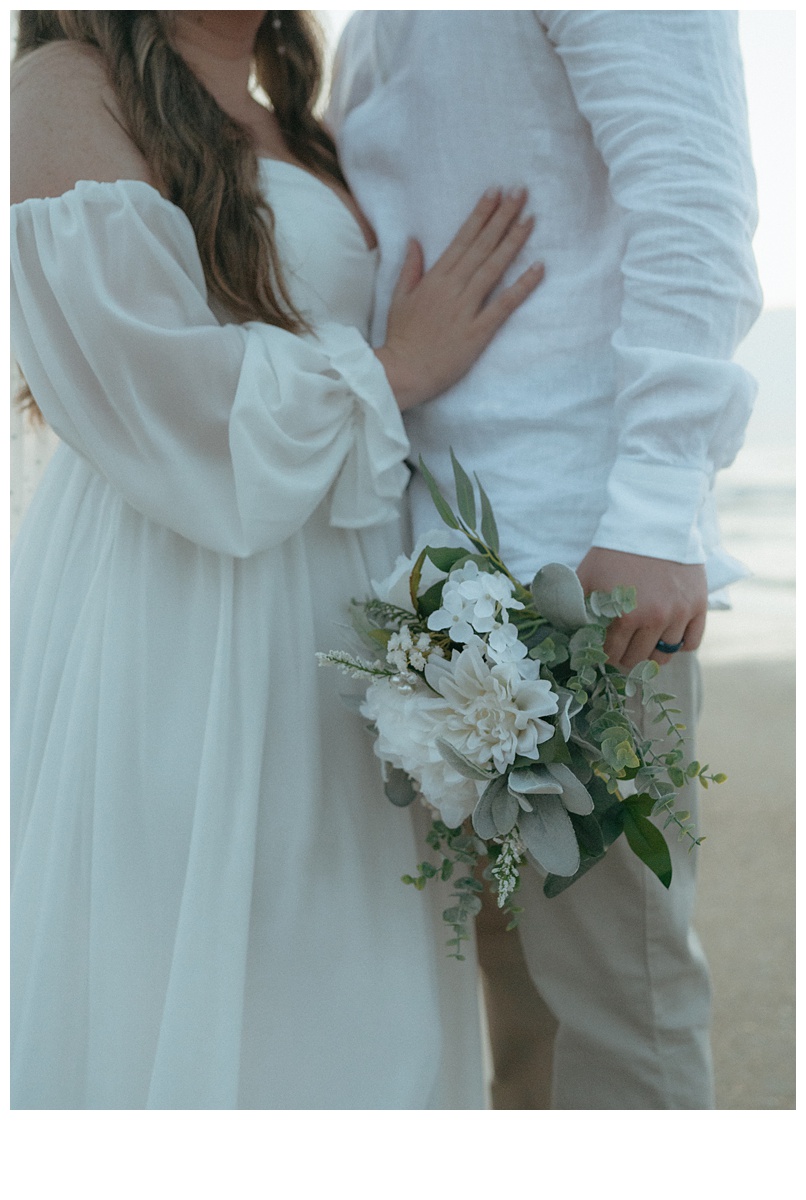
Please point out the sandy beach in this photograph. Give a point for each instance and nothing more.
(746, 907)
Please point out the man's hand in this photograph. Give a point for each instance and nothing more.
(672, 603)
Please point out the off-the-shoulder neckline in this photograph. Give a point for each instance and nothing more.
(83, 184)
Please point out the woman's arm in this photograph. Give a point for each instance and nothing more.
(66, 124)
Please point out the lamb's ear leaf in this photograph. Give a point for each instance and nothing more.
(559, 597)
(465, 500)
(459, 763)
(399, 788)
(505, 809)
(483, 822)
(547, 833)
(441, 504)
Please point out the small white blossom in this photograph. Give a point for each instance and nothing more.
(505, 870)
(402, 652)
(351, 664)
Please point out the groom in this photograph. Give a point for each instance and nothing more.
(596, 422)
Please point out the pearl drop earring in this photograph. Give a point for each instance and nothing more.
(277, 25)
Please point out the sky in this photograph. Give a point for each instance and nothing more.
(768, 49)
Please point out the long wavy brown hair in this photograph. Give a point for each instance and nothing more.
(206, 161)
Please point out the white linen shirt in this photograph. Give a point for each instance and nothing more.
(603, 408)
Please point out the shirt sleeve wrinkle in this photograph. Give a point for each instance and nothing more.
(664, 97)
(229, 434)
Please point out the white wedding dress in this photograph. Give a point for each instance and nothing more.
(207, 907)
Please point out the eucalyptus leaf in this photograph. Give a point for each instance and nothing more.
(559, 597)
(612, 604)
(585, 637)
(465, 500)
(619, 754)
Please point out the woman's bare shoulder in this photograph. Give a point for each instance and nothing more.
(66, 124)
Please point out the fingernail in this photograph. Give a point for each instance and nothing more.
(492, 193)
(516, 193)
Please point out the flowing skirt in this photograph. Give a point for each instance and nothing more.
(206, 903)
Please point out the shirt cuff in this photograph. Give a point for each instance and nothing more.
(653, 509)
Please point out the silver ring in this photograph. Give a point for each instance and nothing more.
(666, 648)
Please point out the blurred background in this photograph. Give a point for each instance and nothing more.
(746, 906)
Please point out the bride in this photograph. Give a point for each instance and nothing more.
(206, 906)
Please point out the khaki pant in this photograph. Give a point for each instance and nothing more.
(603, 1001)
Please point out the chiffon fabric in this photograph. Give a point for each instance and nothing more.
(206, 906)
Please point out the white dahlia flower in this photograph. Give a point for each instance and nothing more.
(492, 713)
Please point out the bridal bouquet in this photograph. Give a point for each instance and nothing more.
(493, 704)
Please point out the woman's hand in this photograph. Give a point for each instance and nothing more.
(441, 320)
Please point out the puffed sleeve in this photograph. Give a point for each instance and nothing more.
(663, 94)
(231, 435)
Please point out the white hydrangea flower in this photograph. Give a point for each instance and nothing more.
(493, 713)
(408, 725)
(503, 645)
(454, 615)
(490, 593)
(473, 602)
